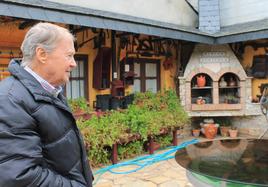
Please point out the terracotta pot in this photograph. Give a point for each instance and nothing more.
(233, 133)
(210, 131)
(201, 81)
(196, 132)
(224, 131)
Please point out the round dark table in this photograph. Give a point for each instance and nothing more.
(228, 162)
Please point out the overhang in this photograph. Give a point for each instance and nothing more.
(62, 13)
(243, 32)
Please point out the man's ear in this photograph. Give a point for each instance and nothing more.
(41, 55)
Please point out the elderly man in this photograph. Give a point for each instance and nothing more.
(40, 144)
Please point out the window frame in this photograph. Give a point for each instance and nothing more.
(142, 77)
(84, 58)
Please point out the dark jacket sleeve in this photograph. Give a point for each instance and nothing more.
(21, 160)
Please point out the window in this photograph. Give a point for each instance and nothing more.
(259, 66)
(77, 86)
(147, 75)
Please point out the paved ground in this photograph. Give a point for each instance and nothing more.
(162, 174)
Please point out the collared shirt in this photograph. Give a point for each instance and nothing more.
(48, 87)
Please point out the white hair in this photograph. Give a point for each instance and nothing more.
(44, 35)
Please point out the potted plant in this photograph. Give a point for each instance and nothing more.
(196, 129)
(231, 99)
(196, 132)
(233, 132)
(225, 124)
(79, 107)
(151, 115)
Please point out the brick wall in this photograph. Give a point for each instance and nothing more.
(216, 61)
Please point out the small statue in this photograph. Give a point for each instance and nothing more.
(232, 82)
(223, 83)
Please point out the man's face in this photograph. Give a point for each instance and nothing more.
(60, 62)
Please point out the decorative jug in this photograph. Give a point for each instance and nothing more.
(210, 130)
(201, 81)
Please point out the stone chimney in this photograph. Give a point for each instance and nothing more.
(209, 16)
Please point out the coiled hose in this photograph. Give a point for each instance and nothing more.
(143, 161)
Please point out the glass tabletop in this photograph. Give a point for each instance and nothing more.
(241, 161)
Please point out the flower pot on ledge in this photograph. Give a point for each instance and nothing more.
(233, 133)
(225, 131)
(210, 130)
(196, 132)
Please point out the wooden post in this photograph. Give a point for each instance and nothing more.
(174, 140)
(151, 145)
(114, 63)
(114, 154)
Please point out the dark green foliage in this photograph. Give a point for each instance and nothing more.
(149, 114)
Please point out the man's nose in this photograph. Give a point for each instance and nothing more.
(73, 63)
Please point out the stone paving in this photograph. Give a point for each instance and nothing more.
(162, 174)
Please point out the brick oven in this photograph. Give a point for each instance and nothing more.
(227, 89)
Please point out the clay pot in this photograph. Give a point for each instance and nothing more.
(210, 130)
(201, 81)
(233, 133)
(196, 132)
(224, 131)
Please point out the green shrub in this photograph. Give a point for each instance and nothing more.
(79, 104)
(130, 150)
(149, 114)
(99, 133)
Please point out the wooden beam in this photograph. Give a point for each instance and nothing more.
(25, 24)
(8, 45)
